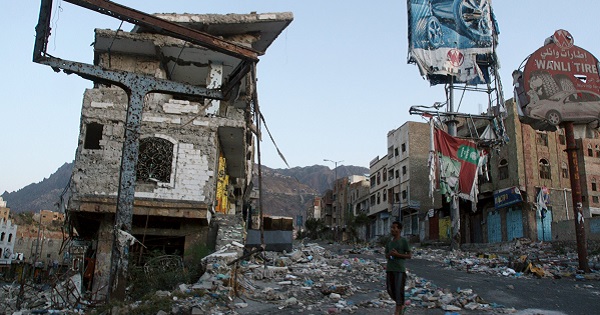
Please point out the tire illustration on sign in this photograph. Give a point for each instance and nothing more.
(471, 17)
(553, 117)
(550, 86)
(437, 20)
(564, 82)
(430, 29)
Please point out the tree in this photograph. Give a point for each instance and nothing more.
(314, 227)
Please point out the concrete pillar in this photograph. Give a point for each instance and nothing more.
(214, 80)
(103, 260)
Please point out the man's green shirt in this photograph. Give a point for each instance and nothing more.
(395, 263)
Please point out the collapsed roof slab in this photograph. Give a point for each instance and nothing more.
(189, 63)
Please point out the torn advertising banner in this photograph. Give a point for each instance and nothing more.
(458, 160)
(452, 38)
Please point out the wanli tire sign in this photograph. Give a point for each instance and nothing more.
(559, 83)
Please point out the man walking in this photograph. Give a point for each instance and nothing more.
(396, 251)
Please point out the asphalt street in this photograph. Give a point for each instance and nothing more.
(526, 295)
(546, 296)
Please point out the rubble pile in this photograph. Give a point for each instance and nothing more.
(519, 258)
(64, 294)
(315, 280)
(312, 278)
(423, 293)
(309, 278)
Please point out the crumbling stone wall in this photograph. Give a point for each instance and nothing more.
(565, 230)
(195, 145)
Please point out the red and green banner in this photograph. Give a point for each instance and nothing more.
(458, 162)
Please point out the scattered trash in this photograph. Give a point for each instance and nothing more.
(313, 279)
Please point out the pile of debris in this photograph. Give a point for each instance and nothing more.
(425, 294)
(61, 295)
(519, 258)
(312, 279)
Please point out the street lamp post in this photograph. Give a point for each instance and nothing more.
(334, 169)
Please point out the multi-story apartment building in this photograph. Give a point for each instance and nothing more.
(343, 204)
(8, 233)
(359, 201)
(359, 195)
(314, 211)
(590, 170)
(41, 246)
(408, 184)
(194, 153)
(47, 217)
(379, 211)
(4, 211)
(529, 162)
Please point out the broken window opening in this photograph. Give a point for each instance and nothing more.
(93, 135)
(544, 169)
(503, 169)
(155, 159)
(542, 139)
(565, 170)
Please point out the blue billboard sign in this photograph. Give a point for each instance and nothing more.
(452, 38)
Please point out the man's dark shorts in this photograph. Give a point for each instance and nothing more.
(395, 282)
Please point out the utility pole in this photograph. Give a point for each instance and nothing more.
(572, 151)
(334, 169)
(454, 209)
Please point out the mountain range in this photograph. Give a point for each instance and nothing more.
(286, 192)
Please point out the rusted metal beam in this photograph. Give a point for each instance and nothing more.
(236, 76)
(42, 30)
(168, 28)
(124, 79)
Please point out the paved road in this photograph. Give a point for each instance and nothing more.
(526, 295)
(565, 296)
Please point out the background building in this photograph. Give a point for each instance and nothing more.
(379, 211)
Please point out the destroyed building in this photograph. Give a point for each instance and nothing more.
(195, 153)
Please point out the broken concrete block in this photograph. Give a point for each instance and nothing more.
(471, 306)
(335, 296)
(450, 308)
(290, 301)
(295, 255)
(241, 305)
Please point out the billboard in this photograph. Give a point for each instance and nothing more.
(452, 38)
(560, 82)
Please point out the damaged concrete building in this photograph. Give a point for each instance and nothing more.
(195, 153)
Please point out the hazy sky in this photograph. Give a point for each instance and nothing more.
(330, 87)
